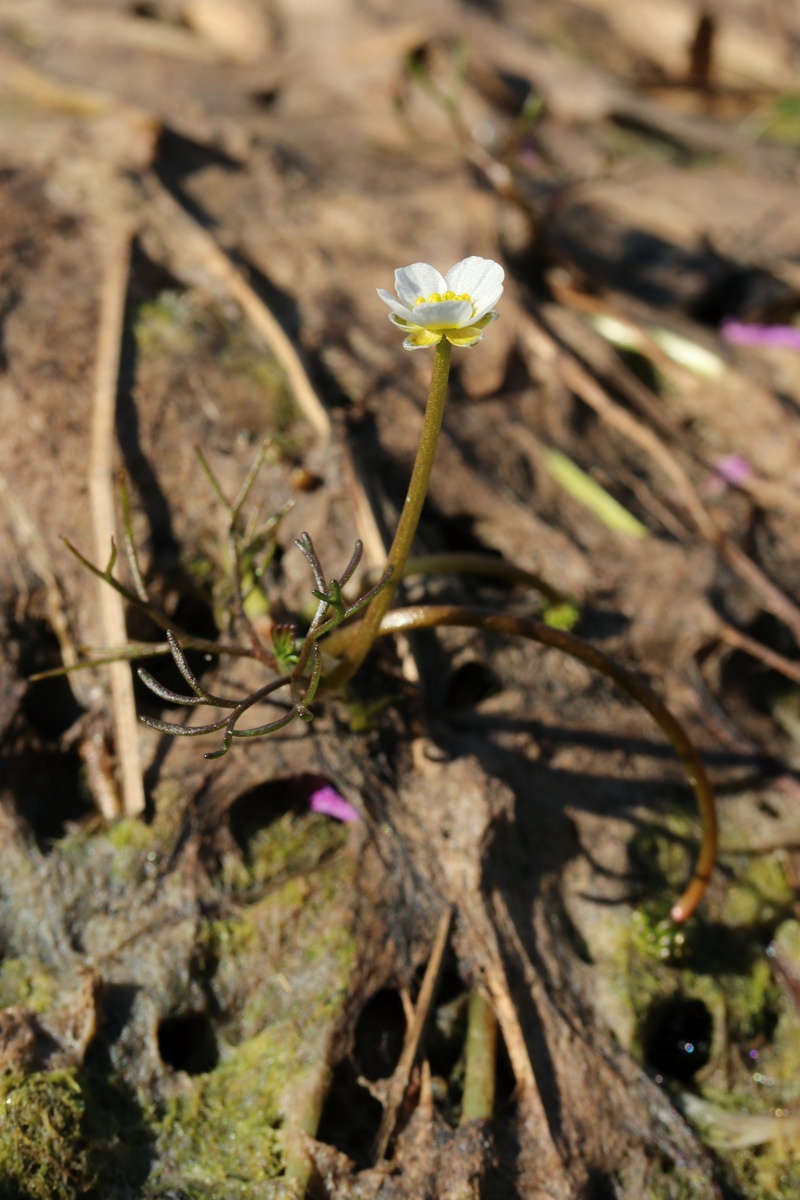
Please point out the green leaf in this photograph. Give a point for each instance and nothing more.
(584, 489)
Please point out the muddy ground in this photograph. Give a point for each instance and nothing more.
(207, 989)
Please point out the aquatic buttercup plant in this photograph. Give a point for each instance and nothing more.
(432, 310)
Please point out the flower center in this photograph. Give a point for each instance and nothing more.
(438, 297)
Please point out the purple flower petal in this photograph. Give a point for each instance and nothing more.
(787, 336)
(734, 469)
(326, 800)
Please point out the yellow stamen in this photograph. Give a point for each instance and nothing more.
(437, 298)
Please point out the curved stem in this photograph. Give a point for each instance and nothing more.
(358, 645)
(427, 616)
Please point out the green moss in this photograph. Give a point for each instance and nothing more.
(129, 841)
(318, 959)
(292, 844)
(129, 834)
(221, 1140)
(43, 1154)
(752, 1000)
(717, 957)
(759, 896)
(169, 325)
(27, 982)
(785, 1067)
(779, 120)
(297, 844)
(768, 1173)
(663, 854)
(742, 906)
(787, 943)
(665, 1183)
(276, 971)
(170, 802)
(288, 952)
(741, 994)
(766, 875)
(655, 936)
(224, 1139)
(113, 856)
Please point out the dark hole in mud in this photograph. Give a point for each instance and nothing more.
(49, 706)
(516, 88)
(351, 1116)
(471, 683)
(750, 294)
(505, 1101)
(267, 98)
(179, 156)
(451, 985)
(49, 791)
(715, 948)
(746, 683)
(458, 533)
(188, 1043)
(379, 1034)
(599, 1187)
(444, 1043)
(677, 1037)
(641, 366)
(261, 806)
(598, 624)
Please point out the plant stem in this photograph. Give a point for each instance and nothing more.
(358, 646)
(478, 1100)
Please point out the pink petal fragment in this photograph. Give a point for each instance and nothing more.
(326, 800)
(787, 336)
(734, 469)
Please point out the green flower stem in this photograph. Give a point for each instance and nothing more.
(429, 616)
(360, 642)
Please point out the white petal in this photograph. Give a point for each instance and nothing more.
(417, 281)
(487, 307)
(480, 278)
(394, 305)
(443, 314)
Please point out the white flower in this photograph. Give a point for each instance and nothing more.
(457, 306)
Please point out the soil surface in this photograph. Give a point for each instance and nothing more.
(471, 987)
